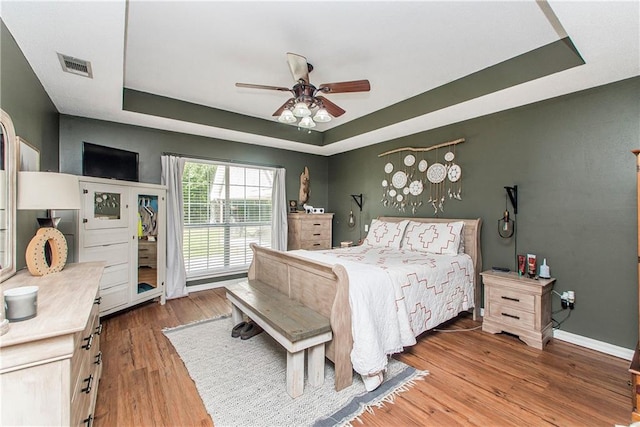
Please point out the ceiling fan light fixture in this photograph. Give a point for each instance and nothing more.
(322, 116)
(301, 110)
(307, 123)
(287, 117)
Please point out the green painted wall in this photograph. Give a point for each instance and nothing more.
(151, 143)
(571, 160)
(34, 117)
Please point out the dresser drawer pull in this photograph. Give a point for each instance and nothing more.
(89, 341)
(88, 421)
(97, 301)
(89, 381)
(316, 244)
(99, 329)
(98, 360)
(317, 224)
(317, 234)
(511, 315)
(510, 299)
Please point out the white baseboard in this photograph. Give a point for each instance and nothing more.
(601, 346)
(590, 343)
(214, 285)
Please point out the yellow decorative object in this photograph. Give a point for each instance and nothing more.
(35, 255)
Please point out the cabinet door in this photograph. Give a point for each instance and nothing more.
(104, 206)
(150, 248)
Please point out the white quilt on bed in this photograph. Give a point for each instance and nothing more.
(395, 295)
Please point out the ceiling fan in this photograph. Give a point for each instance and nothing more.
(307, 97)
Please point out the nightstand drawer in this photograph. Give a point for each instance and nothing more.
(509, 316)
(511, 298)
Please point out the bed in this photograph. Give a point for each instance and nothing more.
(320, 281)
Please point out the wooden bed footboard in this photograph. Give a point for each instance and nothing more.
(325, 288)
(321, 287)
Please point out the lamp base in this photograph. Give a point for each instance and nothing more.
(49, 222)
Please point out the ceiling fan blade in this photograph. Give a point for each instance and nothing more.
(285, 105)
(331, 108)
(252, 86)
(342, 87)
(299, 67)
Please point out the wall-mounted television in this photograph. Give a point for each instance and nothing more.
(108, 162)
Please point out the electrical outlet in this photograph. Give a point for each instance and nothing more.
(571, 299)
(366, 228)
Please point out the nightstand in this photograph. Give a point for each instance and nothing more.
(518, 305)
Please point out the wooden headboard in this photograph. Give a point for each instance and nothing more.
(471, 237)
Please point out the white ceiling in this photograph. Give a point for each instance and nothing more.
(196, 50)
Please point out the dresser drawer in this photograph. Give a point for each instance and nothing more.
(114, 296)
(107, 236)
(314, 234)
(315, 244)
(114, 275)
(111, 254)
(85, 344)
(511, 298)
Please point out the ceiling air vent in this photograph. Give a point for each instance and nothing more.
(75, 66)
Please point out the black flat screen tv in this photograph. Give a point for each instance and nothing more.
(107, 162)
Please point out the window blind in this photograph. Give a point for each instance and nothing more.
(226, 207)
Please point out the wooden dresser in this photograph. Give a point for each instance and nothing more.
(51, 364)
(309, 231)
(518, 305)
(634, 369)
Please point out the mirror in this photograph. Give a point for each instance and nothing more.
(8, 173)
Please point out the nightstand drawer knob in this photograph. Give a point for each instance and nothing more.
(510, 299)
(511, 315)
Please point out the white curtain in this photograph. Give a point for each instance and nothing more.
(279, 211)
(176, 280)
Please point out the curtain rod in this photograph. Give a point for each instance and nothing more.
(189, 156)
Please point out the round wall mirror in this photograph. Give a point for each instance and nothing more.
(8, 173)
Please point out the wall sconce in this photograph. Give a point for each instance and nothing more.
(506, 226)
(352, 220)
(47, 250)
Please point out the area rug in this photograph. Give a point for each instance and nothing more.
(242, 383)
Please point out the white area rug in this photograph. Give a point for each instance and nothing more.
(242, 383)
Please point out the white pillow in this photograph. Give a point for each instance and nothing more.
(385, 234)
(433, 237)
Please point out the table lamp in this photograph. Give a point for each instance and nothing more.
(47, 191)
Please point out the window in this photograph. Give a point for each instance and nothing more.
(226, 207)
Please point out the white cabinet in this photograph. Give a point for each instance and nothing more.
(123, 224)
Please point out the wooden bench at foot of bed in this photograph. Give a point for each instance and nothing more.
(296, 327)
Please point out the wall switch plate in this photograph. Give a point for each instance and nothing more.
(366, 228)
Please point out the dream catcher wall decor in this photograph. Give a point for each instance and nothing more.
(414, 177)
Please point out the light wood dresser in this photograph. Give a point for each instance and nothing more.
(309, 231)
(518, 305)
(51, 364)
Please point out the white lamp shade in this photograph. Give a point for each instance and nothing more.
(322, 116)
(301, 110)
(307, 123)
(48, 190)
(287, 117)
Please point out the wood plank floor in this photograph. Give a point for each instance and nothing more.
(475, 378)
